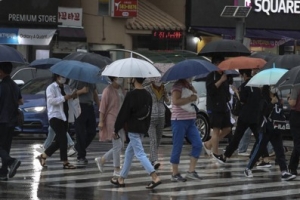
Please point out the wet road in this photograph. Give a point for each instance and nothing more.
(219, 181)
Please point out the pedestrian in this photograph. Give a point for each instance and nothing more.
(271, 105)
(61, 111)
(159, 96)
(294, 102)
(111, 101)
(85, 124)
(136, 112)
(218, 96)
(183, 125)
(10, 99)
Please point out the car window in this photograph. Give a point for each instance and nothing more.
(24, 74)
(200, 87)
(36, 86)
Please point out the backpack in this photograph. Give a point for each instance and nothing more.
(277, 121)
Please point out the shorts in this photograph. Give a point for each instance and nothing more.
(220, 120)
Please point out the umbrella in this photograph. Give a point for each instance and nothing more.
(287, 61)
(242, 62)
(226, 48)
(9, 54)
(91, 58)
(44, 63)
(263, 55)
(266, 77)
(131, 67)
(290, 79)
(77, 70)
(189, 68)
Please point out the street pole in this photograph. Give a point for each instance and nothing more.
(240, 25)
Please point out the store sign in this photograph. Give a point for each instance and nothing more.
(268, 43)
(17, 36)
(70, 16)
(277, 6)
(167, 35)
(124, 8)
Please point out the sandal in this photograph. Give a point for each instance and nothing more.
(42, 160)
(152, 185)
(68, 166)
(116, 182)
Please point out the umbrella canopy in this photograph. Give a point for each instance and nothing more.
(263, 55)
(290, 79)
(131, 68)
(266, 77)
(189, 68)
(226, 48)
(77, 70)
(9, 54)
(44, 63)
(91, 58)
(242, 62)
(287, 61)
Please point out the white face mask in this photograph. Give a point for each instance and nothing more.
(62, 80)
(119, 81)
(273, 89)
(158, 84)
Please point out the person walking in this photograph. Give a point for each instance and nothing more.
(60, 111)
(136, 112)
(85, 124)
(10, 99)
(294, 102)
(270, 106)
(183, 125)
(111, 101)
(159, 96)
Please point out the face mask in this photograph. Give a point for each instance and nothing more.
(273, 90)
(62, 80)
(158, 84)
(119, 81)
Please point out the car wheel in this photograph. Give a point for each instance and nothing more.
(203, 126)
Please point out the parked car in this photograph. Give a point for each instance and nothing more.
(35, 109)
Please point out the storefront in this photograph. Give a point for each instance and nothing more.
(272, 25)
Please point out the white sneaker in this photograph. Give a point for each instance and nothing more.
(99, 164)
(71, 151)
(116, 174)
(248, 173)
(208, 152)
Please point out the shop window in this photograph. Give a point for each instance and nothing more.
(41, 54)
(103, 7)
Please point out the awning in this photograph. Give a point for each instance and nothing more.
(71, 34)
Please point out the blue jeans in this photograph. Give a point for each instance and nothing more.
(135, 148)
(181, 129)
(51, 136)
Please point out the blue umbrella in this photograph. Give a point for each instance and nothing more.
(9, 54)
(45, 63)
(189, 68)
(79, 71)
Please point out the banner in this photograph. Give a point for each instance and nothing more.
(70, 16)
(124, 8)
(16, 36)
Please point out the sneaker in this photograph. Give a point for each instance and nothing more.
(243, 154)
(193, 175)
(207, 151)
(294, 172)
(219, 158)
(286, 176)
(116, 174)
(178, 178)
(71, 151)
(248, 173)
(263, 164)
(13, 168)
(156, 165)
(82, 161)
(99, 164)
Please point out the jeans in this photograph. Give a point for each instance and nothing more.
(245, 141)
(135, 148)
(181, 129)
(51, 136)
(5, 145)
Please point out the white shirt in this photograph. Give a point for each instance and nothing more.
(55, 101)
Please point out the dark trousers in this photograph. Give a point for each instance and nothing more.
(85, 129)
(276, 141)
(60, 128)
(241, 127)
(6, 136)
(295, 131)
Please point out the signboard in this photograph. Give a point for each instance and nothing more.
(167, 35)
(17, 36)
(124, 8)
(70, 16)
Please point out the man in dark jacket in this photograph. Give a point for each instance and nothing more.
(10, 98)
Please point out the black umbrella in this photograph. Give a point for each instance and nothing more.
(290, 79)
(226, 48)
(264, 55)
(91, 58)
(287, 61)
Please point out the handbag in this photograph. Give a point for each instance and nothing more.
(189, 107)
(278, 119)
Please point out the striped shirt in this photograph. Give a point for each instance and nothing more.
(177, 112)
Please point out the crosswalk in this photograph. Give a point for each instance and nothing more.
(218, 181)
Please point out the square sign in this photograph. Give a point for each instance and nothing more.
(124, 8)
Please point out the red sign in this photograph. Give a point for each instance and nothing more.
(164, 35)
(124, 8)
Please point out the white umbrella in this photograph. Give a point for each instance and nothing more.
(131, 68)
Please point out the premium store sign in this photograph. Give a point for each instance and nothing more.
(124, 8)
